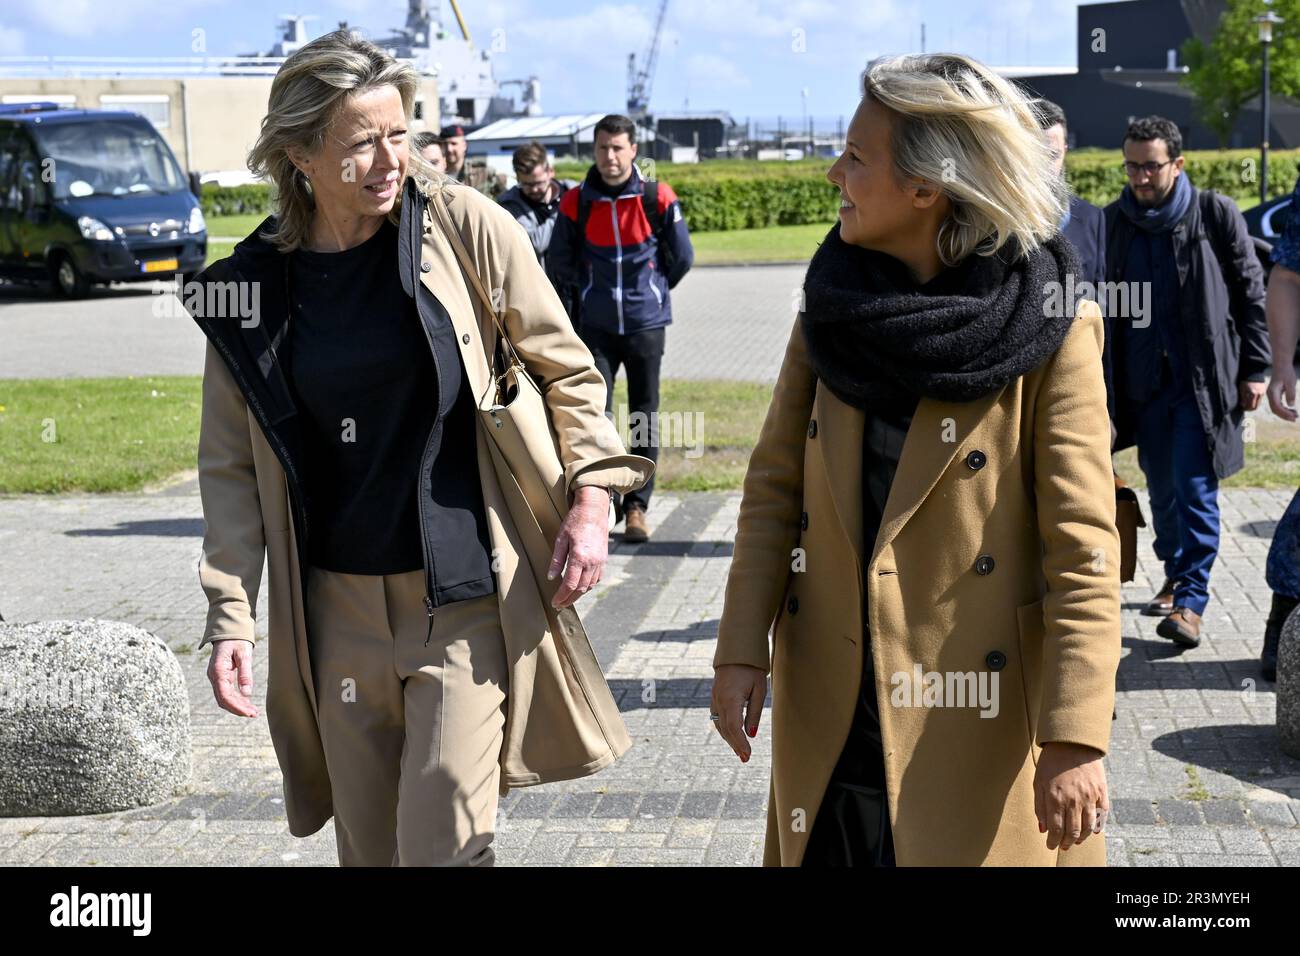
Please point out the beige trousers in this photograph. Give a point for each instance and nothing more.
(412, 733)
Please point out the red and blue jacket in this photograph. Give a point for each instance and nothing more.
(621, 269)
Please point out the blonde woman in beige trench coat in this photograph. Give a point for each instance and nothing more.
(996, 553)
(400, 702)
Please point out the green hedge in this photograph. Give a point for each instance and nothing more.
(727, 194)
(236, 200)
(1098, 175)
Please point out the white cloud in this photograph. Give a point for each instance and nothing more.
(715, 72)
(607, 30)
(11, 41)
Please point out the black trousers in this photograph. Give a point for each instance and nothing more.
(640, 353)
(852, 825)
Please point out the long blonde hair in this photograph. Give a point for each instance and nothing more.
(308, 92)
(976, 136)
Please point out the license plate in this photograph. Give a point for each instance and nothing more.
(160, 265)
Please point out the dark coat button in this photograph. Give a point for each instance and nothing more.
(984, 564)
(465, 338)
(812, 428)
(792, 605)
(976, 460)
(995, 660)
(426, 266)
(803, 521)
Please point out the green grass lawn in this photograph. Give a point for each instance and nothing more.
(99, 434)
(218, 250)
(123, 434)
(712, 426)
(236, 226)
(775, 244)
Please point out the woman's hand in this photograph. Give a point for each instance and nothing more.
(230, 671)
(738, 694)
(1069, 793)
(584, 543)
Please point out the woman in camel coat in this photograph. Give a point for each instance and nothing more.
(980, 546)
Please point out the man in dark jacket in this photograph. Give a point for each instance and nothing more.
(471, 172)
(1282, 568)
(622, 240)
(535, 204)
(1084, 225)
(1182, 375)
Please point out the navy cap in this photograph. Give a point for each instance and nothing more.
(455, 129)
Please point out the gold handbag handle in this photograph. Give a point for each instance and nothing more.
(467, 266)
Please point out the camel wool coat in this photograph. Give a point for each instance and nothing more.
(1022, 477)
(562, 721)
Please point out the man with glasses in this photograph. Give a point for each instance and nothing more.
(534, 203)
(1182, 375)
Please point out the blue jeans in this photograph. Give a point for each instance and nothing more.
(1175, 457)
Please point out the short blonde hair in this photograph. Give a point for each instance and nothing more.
(976, 136)
(308, 91)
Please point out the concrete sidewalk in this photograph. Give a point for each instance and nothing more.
(1195, 772)
(728, 323)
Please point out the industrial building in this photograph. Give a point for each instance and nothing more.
(1137, 70)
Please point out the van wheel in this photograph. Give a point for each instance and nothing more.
(68, 279)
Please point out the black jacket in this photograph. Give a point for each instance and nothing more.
(1222, 312)
(451, 506)
(1086, 231)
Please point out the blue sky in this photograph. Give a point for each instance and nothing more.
(740, 55)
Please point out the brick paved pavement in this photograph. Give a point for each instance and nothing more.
(1195, 773)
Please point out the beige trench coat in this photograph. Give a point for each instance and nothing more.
(562, 721)
(1042, 505)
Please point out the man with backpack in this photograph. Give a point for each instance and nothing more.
(621, 241)
(1182, 376)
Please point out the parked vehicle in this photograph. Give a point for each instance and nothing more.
(1267, 220)
(93, 196)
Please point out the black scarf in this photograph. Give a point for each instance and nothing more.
(880, 342)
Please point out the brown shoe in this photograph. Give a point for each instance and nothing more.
(1162, 604)
(1182, 626)
(635, 529)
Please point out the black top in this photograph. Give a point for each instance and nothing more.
(612, 191)
(543, 210)
(363, 374)
(882, 446)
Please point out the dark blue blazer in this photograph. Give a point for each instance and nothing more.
(1086, 231)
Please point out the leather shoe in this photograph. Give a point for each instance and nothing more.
(1182, 626)
(1163, 603)
(635, 530)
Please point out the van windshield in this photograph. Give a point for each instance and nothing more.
(109, 157)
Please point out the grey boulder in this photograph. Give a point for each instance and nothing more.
(94, 717)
